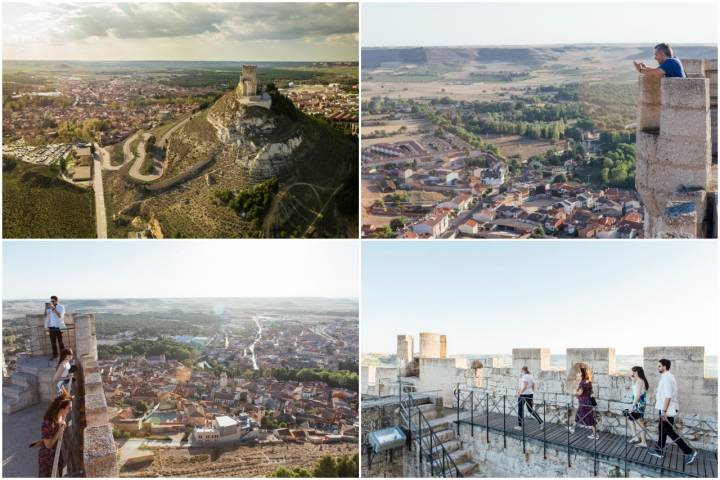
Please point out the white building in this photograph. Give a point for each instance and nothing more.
(222, 429)
(434, 226)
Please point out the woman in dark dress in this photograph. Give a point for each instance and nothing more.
(52, 428)
(585, 415)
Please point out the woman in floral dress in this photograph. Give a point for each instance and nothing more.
(52, 428)
(585, 415)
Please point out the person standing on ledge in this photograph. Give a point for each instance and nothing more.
(55, 324)
(525, 397)
(667, 405)
(669, 65)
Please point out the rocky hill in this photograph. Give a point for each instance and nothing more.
(232, 147)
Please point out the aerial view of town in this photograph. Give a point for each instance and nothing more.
(496, 141)
(252, 140)
(255, 386)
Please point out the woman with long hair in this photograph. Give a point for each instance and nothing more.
(61, 379)
(636, 413)
(52, 428)
(585, 415)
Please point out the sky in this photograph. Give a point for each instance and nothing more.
(537, 23)
(179, 269)
(180, 31)
(490, 297)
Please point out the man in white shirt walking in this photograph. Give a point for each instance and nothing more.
(667, 405)
(55, 324)
(526, 390)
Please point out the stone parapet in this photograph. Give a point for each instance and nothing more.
(536, 359)
(599, 360)
(433, 345)
(100, 452)
(674, 151)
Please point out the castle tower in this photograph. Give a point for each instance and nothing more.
(674, 149)
(404, 350)
(223, 380)
(433, 345)
(247, 87)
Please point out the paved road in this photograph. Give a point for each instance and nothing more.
(137, 166)
(100, 212)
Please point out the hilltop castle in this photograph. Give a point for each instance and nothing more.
(676, 152)
(249, 90)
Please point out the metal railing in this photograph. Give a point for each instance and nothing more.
(426, 440)
(484, 405)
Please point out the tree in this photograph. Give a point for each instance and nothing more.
(326, 468)
(385, 232)
(398, 223)
(141, 406)
(562, 178)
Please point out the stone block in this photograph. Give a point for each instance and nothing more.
(680, 220)
(99, 452)
(95, 409)
(693, 66)
(645, 154)
(649, 101)
(536, 359)
(684, 93)
(599, 360)
(668, 179)
(685, 123)
(683, 151)
(93, 383)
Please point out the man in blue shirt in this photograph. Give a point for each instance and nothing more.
(669, 65)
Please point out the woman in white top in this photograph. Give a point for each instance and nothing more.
(636, 413)
(61, 379)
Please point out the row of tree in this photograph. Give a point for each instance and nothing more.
(326, 467)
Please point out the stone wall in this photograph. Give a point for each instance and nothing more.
(674, 149)
(496, 461)
(433, 345)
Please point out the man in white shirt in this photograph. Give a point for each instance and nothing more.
(667, 406)
(55, 324)
(526, 389)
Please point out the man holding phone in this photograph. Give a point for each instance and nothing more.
(55, 324)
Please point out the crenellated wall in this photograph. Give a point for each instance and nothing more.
(674, 150)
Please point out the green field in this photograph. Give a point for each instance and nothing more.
(37, 204)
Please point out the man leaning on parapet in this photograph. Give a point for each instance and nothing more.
(669, 66)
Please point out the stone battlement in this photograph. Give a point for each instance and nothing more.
(88, 444)
(675, 145)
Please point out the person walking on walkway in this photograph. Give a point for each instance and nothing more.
(526, 391)
(667, 406)
(55, 324)
(636, 413)
(585, 415)
(52, 429)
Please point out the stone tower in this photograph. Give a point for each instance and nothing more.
(248, 85)
(433, 345)
(404, 350)
(674, 149)
(223, 380)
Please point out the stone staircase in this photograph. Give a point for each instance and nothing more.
(444, 429)
(29, 384)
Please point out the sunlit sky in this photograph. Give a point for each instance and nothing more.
(180, 31)
(491, 297)
(177, 269)
(537, 23)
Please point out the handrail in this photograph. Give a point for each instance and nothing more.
(406, 414)
(58, 449)
(483, 401)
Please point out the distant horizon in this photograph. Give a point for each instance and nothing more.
(172, 61)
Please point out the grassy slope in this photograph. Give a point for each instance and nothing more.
(36, 204)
